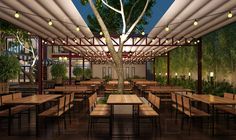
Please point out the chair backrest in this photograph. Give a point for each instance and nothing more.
(187, 105)
(72, 97)
(6, 98)
(229, 96)
(61, 105)
(67, 100)
(91, 102)
(157, 102)
(173, 97)
(179, 100)
(16, 95)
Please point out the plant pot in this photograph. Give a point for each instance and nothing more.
(58, 80)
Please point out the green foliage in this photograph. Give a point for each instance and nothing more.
(107, 78)
(87, 73)
(9, 67)
(58, 70)
(113, 20)
(78, 71)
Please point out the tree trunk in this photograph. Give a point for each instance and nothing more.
(120, 75)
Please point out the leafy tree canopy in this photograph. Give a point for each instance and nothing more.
(113, 20)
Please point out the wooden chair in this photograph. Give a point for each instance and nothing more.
(150, 113)
(96, 113)
(57, 111)
(192, 112)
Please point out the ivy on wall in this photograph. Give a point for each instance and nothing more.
(219, 56)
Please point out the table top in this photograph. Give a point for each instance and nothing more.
(76, 90)
(123, 99)
(32, 100)
(212, 99)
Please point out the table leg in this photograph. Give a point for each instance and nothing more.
(213, 120)
(111, 120)
(37, 120)
(9, 121)
(138, 120)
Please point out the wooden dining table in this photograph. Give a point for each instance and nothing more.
(36, 100)
(123, 99)
(211, 101)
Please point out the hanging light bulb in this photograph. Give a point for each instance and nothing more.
(101, 33)
(230, 15)
(143, 33)
(17, 15)
(178, 41)
(167, 28)
(77, 29)
(50, 22)
(195, 23)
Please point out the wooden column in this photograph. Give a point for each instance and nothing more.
(168, 68)
(40, 76)
(154, 69)
(83, 68)
(199, 67)
(70, 68)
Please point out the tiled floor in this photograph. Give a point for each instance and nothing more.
(77, 130)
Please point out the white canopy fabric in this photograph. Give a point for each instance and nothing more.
(35, 14)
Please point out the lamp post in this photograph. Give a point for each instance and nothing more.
(211, 77)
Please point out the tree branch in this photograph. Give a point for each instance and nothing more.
(105, 32)
(131, 10)
(138, 19)
(109, 6)
(123, 17)
(125, 36)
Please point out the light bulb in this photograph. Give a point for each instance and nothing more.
(17, 15)
(101, 33)
(167, 28)
(143, 33)
(195, 23)
(230, 15)
(77, 29)
(50, 22)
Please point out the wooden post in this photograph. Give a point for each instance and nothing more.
(70, 68)
(40, 77)
(154, 70)
(168, 68)
(199, 64)
(83, 68)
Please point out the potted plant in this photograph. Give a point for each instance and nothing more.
(78, 72)
(58, 72)
(9, 69)
(87, 73)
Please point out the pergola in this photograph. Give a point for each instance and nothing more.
(70, 31)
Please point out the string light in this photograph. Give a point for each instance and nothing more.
(195, 23)
(77, 29)
(167, 28)
(230, 15)
(17, 15)
(50, 22)
(101, 33)
(143, 33)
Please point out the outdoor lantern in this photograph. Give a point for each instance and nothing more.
(189, 74)
(211, 74)
(176, 74)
